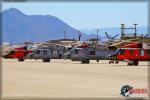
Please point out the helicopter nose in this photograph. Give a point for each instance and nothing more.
(111, 57)
(5, 56)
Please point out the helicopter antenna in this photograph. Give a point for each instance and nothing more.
(107, 35)
(97, 35)
(135, 33)
(79, 35)
(122, 30)
(64, 34)
(11, 43)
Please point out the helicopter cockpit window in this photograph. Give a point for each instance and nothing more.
(76, 51)
(122, 51)
(38, 51)
(92, 52)
(12, 52)
(117, 51)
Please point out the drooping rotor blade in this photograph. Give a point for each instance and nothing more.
(107, 35)
(133, 39)
(115, 41)
(115, 36)
(118, 44)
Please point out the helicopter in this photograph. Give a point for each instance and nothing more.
(87, 52)
(130, 55)
(17, 53)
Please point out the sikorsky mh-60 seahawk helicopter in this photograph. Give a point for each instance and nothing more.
(130, 49)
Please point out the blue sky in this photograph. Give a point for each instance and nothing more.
(88, 15)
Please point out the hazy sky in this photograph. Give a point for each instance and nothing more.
(88, 15)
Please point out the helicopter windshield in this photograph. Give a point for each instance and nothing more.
(115, 53)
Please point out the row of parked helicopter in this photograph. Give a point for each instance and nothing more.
(128, 48)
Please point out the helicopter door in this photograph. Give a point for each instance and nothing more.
(76, 51)
(45, 52)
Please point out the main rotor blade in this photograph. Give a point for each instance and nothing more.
(107, 35)
(115, 36)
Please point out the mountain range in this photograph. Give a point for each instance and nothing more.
(19, 27)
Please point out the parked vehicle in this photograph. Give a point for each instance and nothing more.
(85, 53)
(40, 53)
(47, 53)
(131, 55)
(17, 53)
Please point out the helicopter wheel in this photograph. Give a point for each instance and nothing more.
(136, 63)
(97, 60)
(116, 62)
(85, 61)
(111, 62)
(20, 59)
(46, 60)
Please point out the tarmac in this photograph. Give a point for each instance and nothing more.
(69, 79)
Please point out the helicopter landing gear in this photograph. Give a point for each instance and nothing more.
(111, 62)
(20, 59)
(85, 61)
(46, 60)
(134, 63)
(97, 60)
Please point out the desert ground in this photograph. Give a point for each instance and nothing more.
(65, 78)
